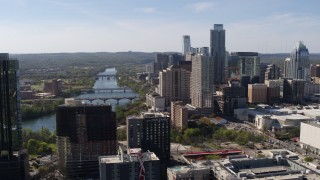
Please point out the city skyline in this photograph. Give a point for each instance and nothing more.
(44, 26)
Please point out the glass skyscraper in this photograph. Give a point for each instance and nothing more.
(218, 52)
(11, 161)
(298, 65)
(186, 44)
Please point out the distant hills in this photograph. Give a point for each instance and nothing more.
(280, 57)
(54, 60)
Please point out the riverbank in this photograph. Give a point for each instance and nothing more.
(137, 86)
(32, 109)
(48, 121)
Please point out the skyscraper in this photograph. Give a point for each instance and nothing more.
(298, 65)
(218, 51)
(174, 84)
(186, 44)
(293, 90)
(257, 93)
(202, 81)
(272, 72)
(161, 62)
(233, 97)
(84, 132)
(12, 160)
(151, 131)
(247, 63)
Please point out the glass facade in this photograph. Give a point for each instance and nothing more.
(10, 116)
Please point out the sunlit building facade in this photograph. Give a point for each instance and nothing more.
(298, 65)
(202, 81)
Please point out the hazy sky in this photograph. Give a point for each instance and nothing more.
(265, 26)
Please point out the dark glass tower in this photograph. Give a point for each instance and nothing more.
(84, 132)
(218, 52)
(11, 161)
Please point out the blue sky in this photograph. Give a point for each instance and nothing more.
(265, 26)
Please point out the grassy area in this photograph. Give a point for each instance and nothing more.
(37, 87)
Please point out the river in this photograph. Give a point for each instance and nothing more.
(103, 82)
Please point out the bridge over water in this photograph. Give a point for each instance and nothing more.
(108, 76)
(102, 90)
(105, 99)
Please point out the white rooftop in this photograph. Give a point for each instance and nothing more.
(113, 159)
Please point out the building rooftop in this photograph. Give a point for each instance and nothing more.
(298, 117)
(313, 123)
(146, 156)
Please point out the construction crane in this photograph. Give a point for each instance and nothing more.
(142, 170)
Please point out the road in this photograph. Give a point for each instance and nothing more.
(291, 146)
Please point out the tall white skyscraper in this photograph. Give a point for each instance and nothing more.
(186, 44)
(298, 65)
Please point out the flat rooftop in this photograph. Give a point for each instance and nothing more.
(146, 156)
(313, 123)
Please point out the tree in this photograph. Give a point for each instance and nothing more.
(32, 146)
(308, 159)
(205, 120)
(121, 134)
(43, 147)
(192, 135)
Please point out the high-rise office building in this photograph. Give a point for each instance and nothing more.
(245, 81)
(174, 59)
(151, 132)
(246, 63)
(84, 132)
(218, 51)
(174, 84)
(263, 70)
(257, 93)
(232, 97)
(273, 91)
(13, 160)
(272, 72)
(202, 81)
(293, 90)
(161, 62)
(186, 44)
(298, 65)
(287, 67)
(204, 51)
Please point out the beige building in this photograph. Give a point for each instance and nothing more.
(257, 93)
(179, 115)
(155, 101)
(174, 84)
(202, 81)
